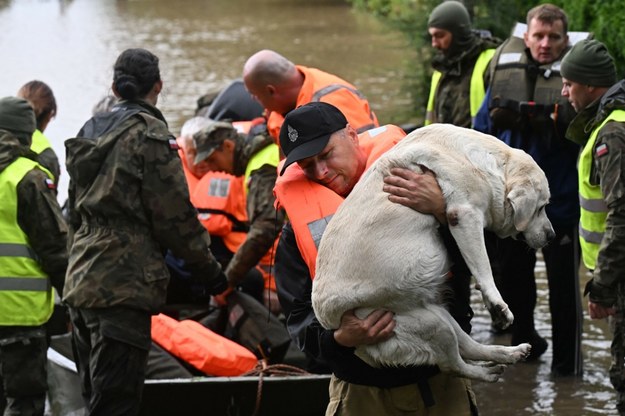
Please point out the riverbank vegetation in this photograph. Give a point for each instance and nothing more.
(605, 19)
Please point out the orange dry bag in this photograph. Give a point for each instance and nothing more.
(202, 348)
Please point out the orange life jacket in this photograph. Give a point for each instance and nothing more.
(321, 86)
(192, 180)
(204, 349)
(220, 200)
(310, 206)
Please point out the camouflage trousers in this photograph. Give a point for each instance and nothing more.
(23, 370)
(111, 349)
(617, 369)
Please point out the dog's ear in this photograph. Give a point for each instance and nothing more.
(523, 199)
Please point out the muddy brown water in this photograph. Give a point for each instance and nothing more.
(202, 45)
(528, 388)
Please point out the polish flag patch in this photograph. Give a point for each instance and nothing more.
(173, 144)
(601, 150)
(50, 184)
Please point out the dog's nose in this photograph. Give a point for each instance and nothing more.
(550, 234)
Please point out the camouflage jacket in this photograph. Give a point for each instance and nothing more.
(451, 103)
(38, 212)
(50, 161)
(265, 222)
(128, 203)
(608, 171)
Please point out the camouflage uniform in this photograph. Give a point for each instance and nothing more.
(265, 221)
(48, 159)
(451, 103)
(23, 349)
(128, 204)
(607, 286)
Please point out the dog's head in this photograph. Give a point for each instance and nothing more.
(527, 195)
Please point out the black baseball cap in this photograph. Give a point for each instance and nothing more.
(307, 130)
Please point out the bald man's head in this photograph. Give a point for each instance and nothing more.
(273, 80)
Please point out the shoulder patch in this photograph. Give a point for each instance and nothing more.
(50, 183)
(173, 144)
(601, 150)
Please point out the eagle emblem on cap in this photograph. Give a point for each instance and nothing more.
(293, 134)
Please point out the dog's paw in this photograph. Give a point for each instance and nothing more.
(501, 315)
(522, 351)
(519, 352)
(493, 372)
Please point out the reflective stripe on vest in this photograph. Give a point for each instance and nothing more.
(477, 90)
(310, 206)
(593, 210)
(39, 142)
(26, 296)
(335, 87)
(220, 200)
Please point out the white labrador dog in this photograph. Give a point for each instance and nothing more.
(376, 254)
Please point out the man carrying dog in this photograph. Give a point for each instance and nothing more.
(325, 158)
(588, 79)
(524, 108)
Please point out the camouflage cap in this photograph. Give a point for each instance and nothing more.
(210, 138)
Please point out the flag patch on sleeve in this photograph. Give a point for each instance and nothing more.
(50, 184)
(173, 144)
(601, 150)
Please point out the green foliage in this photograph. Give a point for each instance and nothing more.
(605, 19)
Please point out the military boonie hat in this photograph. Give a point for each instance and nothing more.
(307, 130)
(210, 138)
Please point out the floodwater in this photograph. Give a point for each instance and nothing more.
(528, 388)
(202, 45)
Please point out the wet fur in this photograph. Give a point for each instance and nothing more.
(379, 255)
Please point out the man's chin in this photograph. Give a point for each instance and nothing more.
(545, 59)
(337, 188)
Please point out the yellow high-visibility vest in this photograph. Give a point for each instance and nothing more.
(26, 295)
(477, 90)
(593, 209)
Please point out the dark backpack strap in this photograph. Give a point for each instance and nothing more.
(424, 386)
(426, 392)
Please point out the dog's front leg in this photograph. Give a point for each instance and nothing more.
(466, 225)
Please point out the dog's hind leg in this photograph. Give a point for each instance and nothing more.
(427, 336)
(470, 349)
